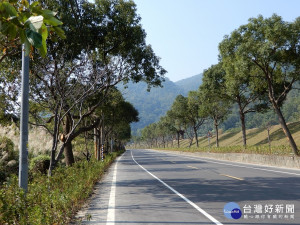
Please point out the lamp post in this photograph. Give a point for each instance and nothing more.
(23, 158)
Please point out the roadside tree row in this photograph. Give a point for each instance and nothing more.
(259, 64)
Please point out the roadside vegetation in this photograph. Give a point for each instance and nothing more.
(78, 53)
(231, 141)
(258, 72)
(51, 200)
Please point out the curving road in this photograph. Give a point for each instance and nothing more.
(155, 187)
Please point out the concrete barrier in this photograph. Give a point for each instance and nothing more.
(267, 160)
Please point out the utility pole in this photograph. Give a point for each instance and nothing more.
(111, 144)
(102, 137)
(96, 143)
(23, 159)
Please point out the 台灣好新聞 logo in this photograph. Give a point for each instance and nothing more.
(232, 211)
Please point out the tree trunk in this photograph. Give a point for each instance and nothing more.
(269, 139)
(54, 143)
(191, 142)
(178, 136)
(68, 152)
(286, 129)
(280, 116)
(196, 136)
(111, 144)
(242, 118)
(85, 142)
(217, 134)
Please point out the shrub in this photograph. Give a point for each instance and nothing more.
(40, 164)
(8, 159)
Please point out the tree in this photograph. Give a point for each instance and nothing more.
(149, 134)
(177, 116)
(164, 130)
(118, 115)
(238, 85)
(272, 46)
(214, 101)
(21, 23)
(84, 66)
(26, 24)
(194, 112)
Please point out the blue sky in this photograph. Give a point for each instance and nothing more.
(185, 33)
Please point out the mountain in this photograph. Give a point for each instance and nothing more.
(154, 104)
(189, 84)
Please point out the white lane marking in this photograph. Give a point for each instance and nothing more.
(112, 198)
(229, 164)
(180, 195)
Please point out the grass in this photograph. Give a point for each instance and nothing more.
(51, 200)
(39, 141)
(257, 141)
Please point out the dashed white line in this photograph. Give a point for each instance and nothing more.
(180, 195)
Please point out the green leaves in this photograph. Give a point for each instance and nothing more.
(32, 34)
(28, 26)
(8, 8)
(59, 32)
(34, 38)
(8, 30)
(48, 14)
(43, 48)
(53, 21)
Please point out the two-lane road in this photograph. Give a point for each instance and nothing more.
(153, 187)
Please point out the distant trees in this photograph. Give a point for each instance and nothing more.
(176, 116)
(195, 113)
(117, 115)
(215, 103)
(259, 66)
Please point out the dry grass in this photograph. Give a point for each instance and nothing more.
(257, 141)
(39, 141)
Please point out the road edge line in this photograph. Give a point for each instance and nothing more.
(110, 219)
(180, 195)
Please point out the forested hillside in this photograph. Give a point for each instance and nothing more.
(154, 103)
(189, 84)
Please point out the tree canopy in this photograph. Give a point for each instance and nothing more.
(271, 46)
(258, 68)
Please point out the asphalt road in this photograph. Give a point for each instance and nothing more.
(153, 187)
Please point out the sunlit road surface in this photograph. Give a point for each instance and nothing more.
(153, 187)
